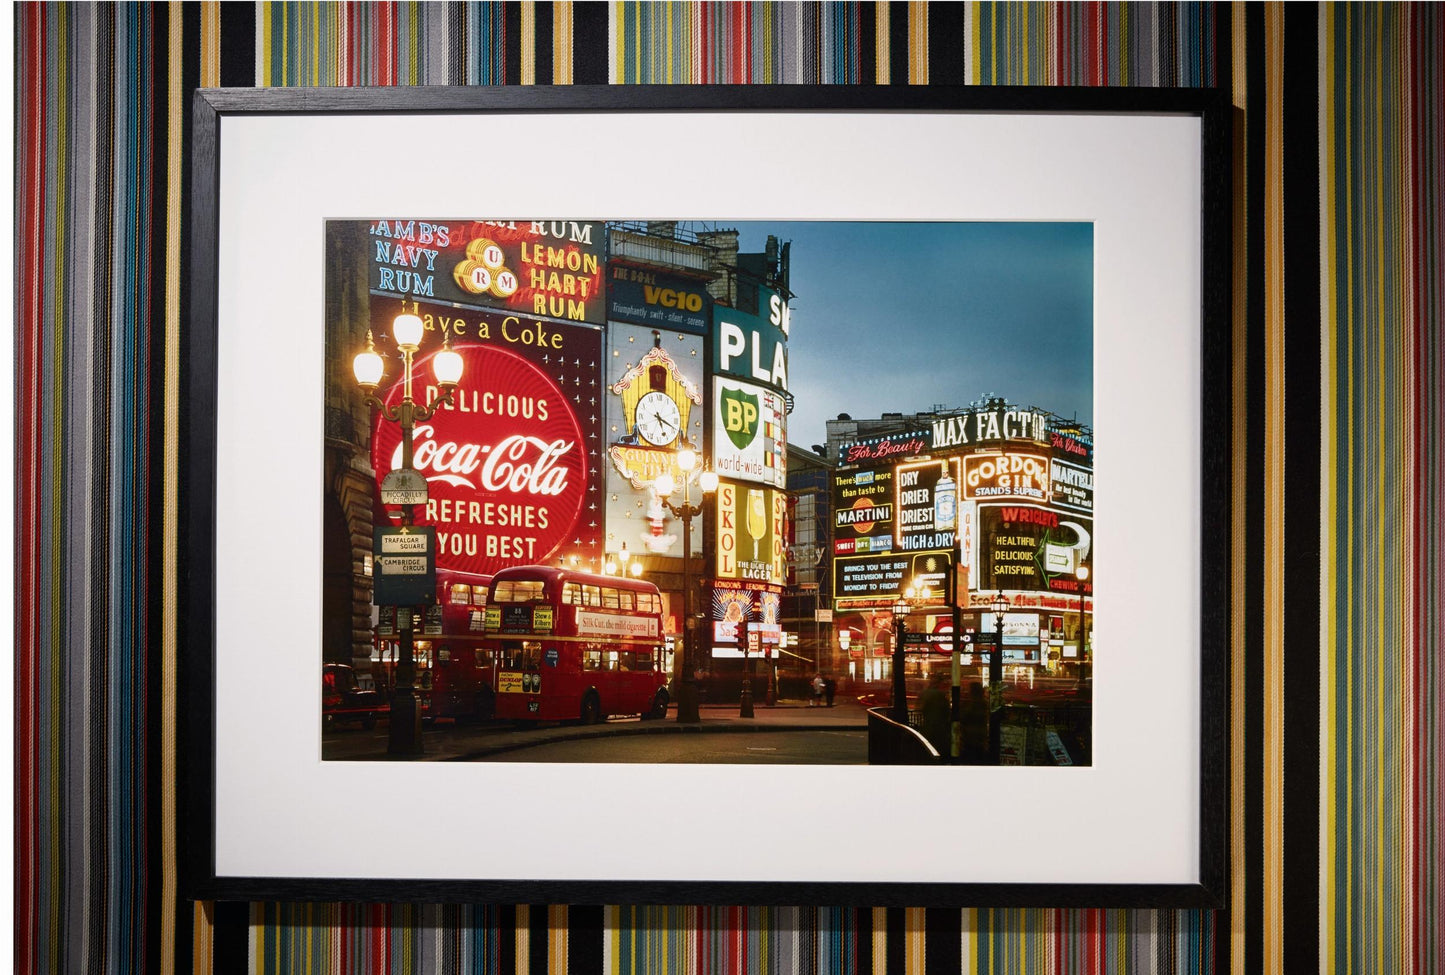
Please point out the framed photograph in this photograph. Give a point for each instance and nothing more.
(736, 495)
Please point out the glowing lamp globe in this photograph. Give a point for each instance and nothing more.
(446, 365)
(708, 481)
(407, 329)
(368, 367)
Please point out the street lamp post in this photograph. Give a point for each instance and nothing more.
(1082, 574)
(955, 671)
(404, 724)
(900, 632)
(683, 664)
(999, 606)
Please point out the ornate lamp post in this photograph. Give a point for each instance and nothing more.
(404, 726)
(664, 486)
(915, 594)
(1082, 574)
(999, 606)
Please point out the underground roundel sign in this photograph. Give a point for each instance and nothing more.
(505, 462)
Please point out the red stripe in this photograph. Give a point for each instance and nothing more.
(30, 335)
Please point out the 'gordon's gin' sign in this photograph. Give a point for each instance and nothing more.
(506, 463)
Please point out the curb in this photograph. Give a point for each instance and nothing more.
(668, 727)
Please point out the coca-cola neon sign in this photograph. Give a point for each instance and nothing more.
(505, 462)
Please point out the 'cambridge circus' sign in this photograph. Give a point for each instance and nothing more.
(505, 462)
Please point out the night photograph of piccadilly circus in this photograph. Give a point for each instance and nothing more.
(570, 516)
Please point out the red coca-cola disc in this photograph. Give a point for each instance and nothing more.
(505, 462)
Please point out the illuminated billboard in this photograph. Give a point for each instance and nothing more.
(863, 511)
(1028, 547)
(749, 433)
(751, 532)
(655, 298)
(745, 615)
(508, 462)
(543, 268)
(1007, 475)
(862, 581)
(753, 347)
(926, 499)
(991, 426)
(1071, 486)
(652, 403)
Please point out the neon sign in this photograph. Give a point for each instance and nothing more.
(1006, 476)
(506, 463)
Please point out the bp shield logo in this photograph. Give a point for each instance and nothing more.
(740, 416)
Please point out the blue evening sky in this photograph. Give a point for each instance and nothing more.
(903, 317)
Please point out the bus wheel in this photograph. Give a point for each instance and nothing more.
(659, 708)
(591, 709)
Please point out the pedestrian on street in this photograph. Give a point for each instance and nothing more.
(934, 717)
(817, 698)
(829, 687)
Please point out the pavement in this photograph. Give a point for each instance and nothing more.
(447, 743)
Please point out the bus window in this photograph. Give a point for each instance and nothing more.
(591, 595)
(461, 594)
(520, 591)
(479, 595)
(572, 594)
(591, 659)
(521, 654)
(609, 597)
(625, 600)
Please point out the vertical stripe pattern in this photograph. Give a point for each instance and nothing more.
(1382, 105)
(1336, 676)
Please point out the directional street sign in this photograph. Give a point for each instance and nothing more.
(405, 565)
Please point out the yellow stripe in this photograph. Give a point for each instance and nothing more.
(557, 939)
(211, 44)
(1238, 509)
(1350, 426)
(880, 941)
(917, 43)
(880, 44)
(1273, 799)
(914, 926)
(170, 484)
(1329, 697)
(263, 28)
(202, 937)
(315, 58)
(528, 72)
(1382, 492)
(562, 42)
(521, 937)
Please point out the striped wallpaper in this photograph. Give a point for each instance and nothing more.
(1336, 668)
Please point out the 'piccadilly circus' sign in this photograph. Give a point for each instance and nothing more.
(505, 461)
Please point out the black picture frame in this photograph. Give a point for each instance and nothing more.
(200, 446)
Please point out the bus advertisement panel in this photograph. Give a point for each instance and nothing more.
(574, 646)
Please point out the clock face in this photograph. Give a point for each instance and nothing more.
(658, 421)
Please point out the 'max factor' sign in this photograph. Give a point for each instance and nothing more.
(990, 426)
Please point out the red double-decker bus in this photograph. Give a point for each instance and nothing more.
(576, 646)
(456, 664)
(460, 681)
